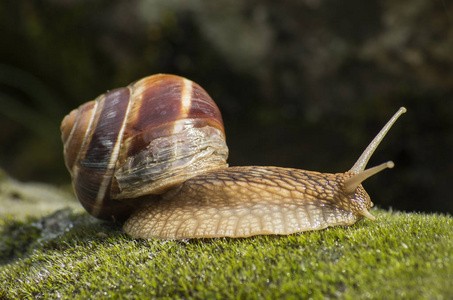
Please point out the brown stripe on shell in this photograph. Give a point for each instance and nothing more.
(157, 108)
(156, 104)
(204, 108)
(97, 165)
(107, 131)
(68, 126)
(174, 132)
(74, 132)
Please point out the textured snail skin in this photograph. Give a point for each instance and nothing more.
(246, 201)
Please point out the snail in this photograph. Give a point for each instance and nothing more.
(153, 154)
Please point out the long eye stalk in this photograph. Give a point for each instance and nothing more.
(361, 163)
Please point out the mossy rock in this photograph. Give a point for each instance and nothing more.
(19, 200)
(69, 254)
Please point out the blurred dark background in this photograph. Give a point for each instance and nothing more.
(304, 84)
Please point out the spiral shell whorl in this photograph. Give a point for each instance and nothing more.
(109, 143)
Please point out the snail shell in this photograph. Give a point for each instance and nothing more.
(141, 140)
(154, 153)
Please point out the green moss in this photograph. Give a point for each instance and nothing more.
(400, 255)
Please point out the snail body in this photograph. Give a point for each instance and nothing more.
(154, 154)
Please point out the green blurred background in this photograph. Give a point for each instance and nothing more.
(304, 84)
